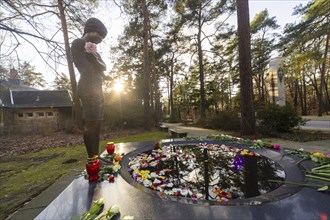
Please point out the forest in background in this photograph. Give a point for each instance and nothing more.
(169, 61)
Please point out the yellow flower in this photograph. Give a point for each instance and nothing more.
(318, 154)
(143, 173)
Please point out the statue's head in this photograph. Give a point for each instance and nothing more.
(95, 29)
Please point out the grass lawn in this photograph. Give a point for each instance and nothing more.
(25, 176)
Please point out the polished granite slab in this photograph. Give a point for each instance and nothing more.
(288, 202)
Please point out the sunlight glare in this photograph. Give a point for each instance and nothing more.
(118, 86)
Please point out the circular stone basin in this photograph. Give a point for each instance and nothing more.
(212, 172)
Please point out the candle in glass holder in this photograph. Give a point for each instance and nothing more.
(93, 168)
(110, 148)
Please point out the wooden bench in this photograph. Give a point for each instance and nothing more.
(188, 121)
(163, 128)
(175, 133)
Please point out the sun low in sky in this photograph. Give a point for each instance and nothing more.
(118, 86)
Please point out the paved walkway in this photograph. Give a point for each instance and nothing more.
(36, 205)
(316, 123)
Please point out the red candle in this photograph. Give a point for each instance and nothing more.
(110, 148)
(93, 169)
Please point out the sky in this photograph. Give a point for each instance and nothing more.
(281, 9)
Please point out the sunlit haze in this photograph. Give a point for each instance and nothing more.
(118, 86)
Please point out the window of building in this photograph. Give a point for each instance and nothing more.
(40, 114)
(50, 114)
(29, 114)
(20, 115)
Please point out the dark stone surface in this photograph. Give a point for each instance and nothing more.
(286, 202)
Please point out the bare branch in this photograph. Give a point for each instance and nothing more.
(6, 28)
(44, 13)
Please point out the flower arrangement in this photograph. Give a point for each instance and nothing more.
(255, 144)
(152, 169)
(96, 213)
(109, 171)
(223, 137)
(317, 157)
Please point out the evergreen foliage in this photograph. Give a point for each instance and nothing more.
(227, 121)
(277, 119)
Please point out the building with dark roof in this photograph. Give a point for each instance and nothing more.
(27, 110)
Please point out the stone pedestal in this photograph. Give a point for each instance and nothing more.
(275, 79)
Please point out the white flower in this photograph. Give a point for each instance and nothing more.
(260, 143)
(90, 47)
(127, 217)
(157, 181)
(184, 192)
(168, 192)
(114, 209)
(135, 166)
(115, 168)
(153, 175)
(199, 195)
(153, 163)
(147, 183)
(169, 185)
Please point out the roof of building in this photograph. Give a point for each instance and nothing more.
(36, 98)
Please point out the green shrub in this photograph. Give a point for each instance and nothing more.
(227, 121)
(277, 119)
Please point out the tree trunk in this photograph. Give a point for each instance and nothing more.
(201, 67)
(244, 48)
(77, 113)
(169, 91)
(146, 67)
(172, 116)
(323, 69)
(300, 97)
(327, 97)
(296, 91)
(230, 94)
(304, 96)
(263, 89)
(155, 80)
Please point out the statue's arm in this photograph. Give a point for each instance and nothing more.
(79, 57)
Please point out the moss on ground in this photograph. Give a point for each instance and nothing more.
(25, 176)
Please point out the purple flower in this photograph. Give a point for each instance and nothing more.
(277, 146)
(130, 170)
(328, 155)
(238, 163)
